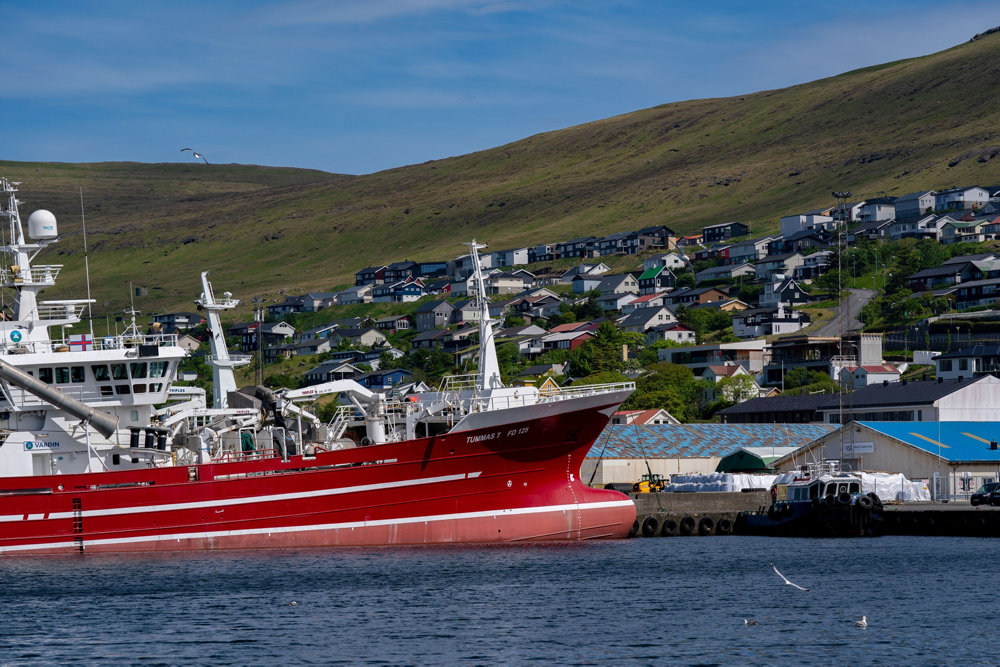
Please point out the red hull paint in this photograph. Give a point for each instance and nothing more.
(496, 484)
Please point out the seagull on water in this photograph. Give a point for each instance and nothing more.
(785, 579)
(863, 623)
(196, 154)
(749, 621)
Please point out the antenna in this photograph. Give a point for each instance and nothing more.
(86, 265)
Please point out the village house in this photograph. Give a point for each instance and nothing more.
(643, 417)
(778, 264)
(675, 261)
(723, 231)
(511, 257)
(724, 272)
(692, 296)
(980, 359)
(364, 336)
(799, 242)
(390, 324)
(677, 332)
(782, 290)
(370, 275)
(968, 399)
(774, 321)
(880, 208)
(915, 204)
(854, 377)
(814, 265)
(959, 199)
(181, 321)
(645, 301)
(656, 279)
(641, 320)
(579, 247)
(749, 250)
(329, 371)
(749, 354)
(433, 315)
(812, 221)
(593, 270)
(354, 295)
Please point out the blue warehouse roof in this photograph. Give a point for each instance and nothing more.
(659, 441)
(953, 441)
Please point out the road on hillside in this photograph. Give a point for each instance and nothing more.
(856, 299)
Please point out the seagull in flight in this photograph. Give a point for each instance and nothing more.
(196, 154)
(785, 579)
(749, 621)
(863, 623)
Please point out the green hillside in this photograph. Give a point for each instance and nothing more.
(929, 122)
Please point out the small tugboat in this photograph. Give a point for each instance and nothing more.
(821, 501)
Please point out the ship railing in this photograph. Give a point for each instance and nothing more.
(36, 275)
(249, 455)
(588, 390)
(61, 310)
(229, 360)
(85, 342)
(455, 383)
(342, 418)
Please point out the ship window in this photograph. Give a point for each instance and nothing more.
(157, 369)
(155, 386)
(119, 371)
(138, 369)
(855, 487)
(76, 373)
(62, 375)
(106, 390)
(843, 488)
(831, 489)
(101, 373)
(121, 389)
(45, 375)
(134, 416)
(139, 388)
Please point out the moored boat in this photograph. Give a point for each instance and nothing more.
(821, 501)
(101, 452)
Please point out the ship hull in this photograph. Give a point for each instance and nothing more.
(508, 481)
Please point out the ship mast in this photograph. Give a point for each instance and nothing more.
(489, 368)
(223, 378)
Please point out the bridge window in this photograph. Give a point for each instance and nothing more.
(45, 375)
(122, 389)
(101, 373)
(138, 369)
(62, 375)
(119, 371)
(76, 373)
(157, 369)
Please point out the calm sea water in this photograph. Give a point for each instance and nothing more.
(682, 600)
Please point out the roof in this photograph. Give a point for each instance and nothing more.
(901, 393)
(974, 351)
(786, 403)
(652, 272)
(700, 440)
(874, 369)
(952, 441)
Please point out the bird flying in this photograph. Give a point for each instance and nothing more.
(749, 621)
(785, 579)
(196, 154)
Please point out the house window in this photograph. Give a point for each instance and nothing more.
(963, 364)
(945, 365)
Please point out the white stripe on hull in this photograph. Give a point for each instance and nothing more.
(246, 500)
(351, 525)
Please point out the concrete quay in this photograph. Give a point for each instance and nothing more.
(691, 514)
(709, 514)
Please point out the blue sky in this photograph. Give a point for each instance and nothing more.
(361, 86)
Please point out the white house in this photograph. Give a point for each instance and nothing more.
(815, 219)
(672, 260)
(644, 319)
(854, 377)
(915, 204)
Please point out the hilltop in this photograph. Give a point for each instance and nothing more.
(922, 123)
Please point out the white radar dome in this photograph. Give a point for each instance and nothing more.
(42, 225)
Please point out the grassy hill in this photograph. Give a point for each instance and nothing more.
(929, 122)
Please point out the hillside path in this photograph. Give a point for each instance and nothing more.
(856, 300)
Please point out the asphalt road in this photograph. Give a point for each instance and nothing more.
(856, 300)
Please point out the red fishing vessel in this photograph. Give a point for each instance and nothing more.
(89, 462)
